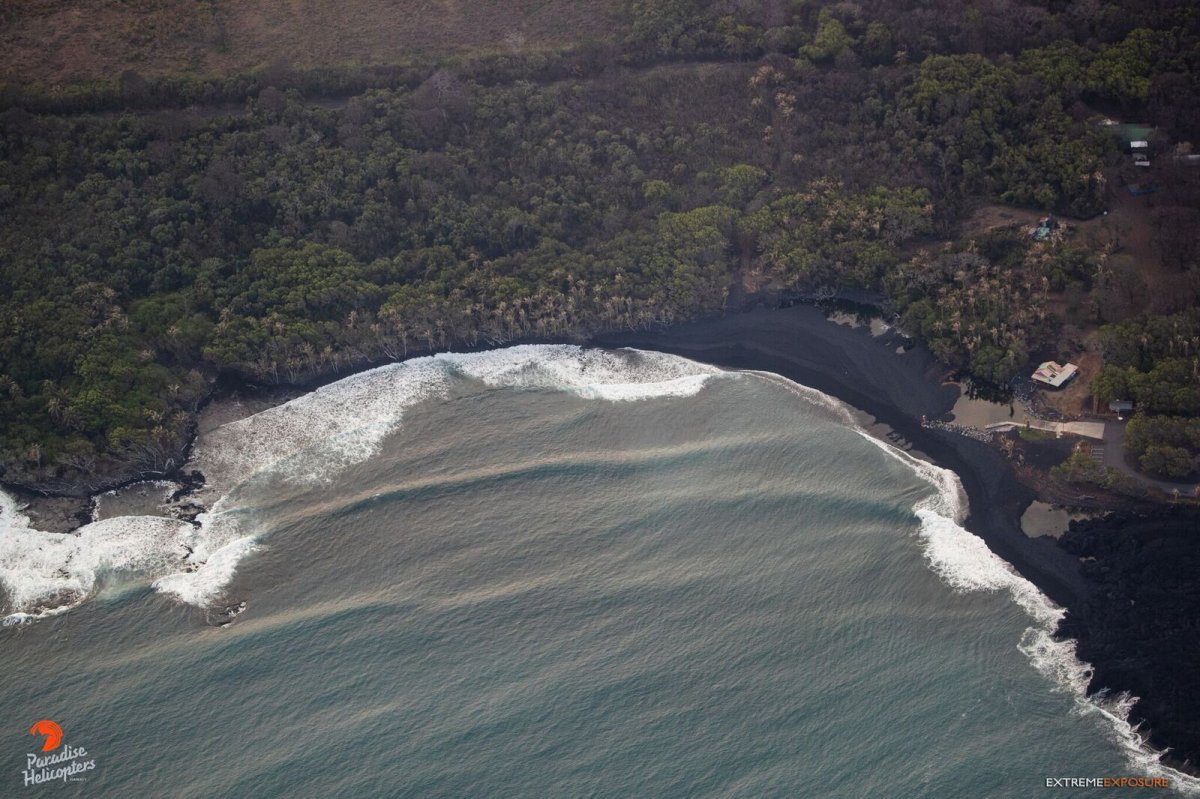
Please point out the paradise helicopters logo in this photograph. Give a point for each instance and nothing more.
(55, 762)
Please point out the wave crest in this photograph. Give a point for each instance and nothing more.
(307, 440)
(964, 562)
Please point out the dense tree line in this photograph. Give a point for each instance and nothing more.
(1155, 362)
(333, 216)
(984, 308)
(1167, 446)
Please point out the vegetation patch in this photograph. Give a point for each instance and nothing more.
(284, 221)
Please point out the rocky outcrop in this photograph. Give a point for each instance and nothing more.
(1140, 628)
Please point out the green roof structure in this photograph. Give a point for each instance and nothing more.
(1132, 131)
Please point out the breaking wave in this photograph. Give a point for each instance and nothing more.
(350, 418)
(308, 440)
(965, 563)
(312, 438)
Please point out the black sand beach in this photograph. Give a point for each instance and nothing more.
(1139, 640)
(866, 373)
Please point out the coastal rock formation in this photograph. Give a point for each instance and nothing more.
(1140, 628)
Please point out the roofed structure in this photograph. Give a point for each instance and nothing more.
(1129, 132)
(1121, 407)
(1045, 229)
(1053, 375)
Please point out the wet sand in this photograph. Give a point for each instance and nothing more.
(897, 390)
(865, 372)
(877, 372)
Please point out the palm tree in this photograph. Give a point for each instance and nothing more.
(54, 405)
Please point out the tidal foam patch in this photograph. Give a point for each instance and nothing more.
(309, 440)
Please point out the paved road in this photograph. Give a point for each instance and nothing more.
(1094, 430)
(1110, 453)
(1114, 456)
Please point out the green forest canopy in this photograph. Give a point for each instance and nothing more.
(316, 219)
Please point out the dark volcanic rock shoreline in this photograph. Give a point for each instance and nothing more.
(1141, 627)
(1131, 601)
(1114, 633)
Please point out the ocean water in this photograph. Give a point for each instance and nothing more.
(545, 572)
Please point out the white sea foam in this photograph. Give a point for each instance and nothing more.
(597, 374)
(1057, 660)
(308, 440)
(965, 563)
(43, 573)
(205, 584)
(628, 392)
(343, 423)
(812, 396)
(335, 426)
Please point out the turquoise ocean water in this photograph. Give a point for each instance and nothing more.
(544, 572)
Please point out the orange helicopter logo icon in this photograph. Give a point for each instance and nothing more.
(51, 730)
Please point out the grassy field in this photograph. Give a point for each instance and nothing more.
(62, 41)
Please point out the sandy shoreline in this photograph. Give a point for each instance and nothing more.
(1147, 653)
(867, 373)
(873, 375)
(799, 342)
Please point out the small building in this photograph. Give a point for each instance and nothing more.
(1055, 376)
(1045, 229)
(1129, 134)
(1121, 407)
